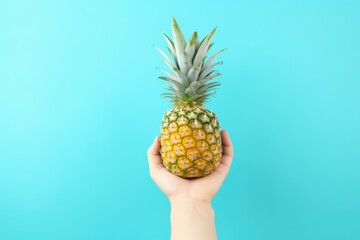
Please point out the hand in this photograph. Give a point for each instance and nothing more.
(202, 189)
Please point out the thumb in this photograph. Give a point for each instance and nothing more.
(153, 153)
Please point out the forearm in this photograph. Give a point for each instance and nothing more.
(192, 220)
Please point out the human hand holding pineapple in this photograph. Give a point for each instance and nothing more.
(192, 216)
(199, 189)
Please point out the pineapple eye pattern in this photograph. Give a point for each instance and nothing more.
(191, 146)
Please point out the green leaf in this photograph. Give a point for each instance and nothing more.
(208, 78)
(181, 76)
(190, 91)
(195, 97)
(207, 87)
(179, 41)
(193, 73)
(171, 75)
(184, 63)
(163, 54)
(211, 44)
(194, 84)
(171, 45)
(191, 46)
(211, 76)
(201, 53)
(166, 59)
(209, 61)
(176, 84)
(206, 96)
(207, 70)
(180, 94)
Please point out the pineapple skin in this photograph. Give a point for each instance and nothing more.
(190, 141)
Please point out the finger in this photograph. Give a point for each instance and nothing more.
(228, 151)
(226, 143)
(226, 162)
(153, 153)
(224, 167)
(155, 147)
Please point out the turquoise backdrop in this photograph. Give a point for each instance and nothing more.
(80, 104)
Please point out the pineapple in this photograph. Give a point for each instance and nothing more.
(190, 134)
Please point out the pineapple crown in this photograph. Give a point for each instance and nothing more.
(189, 80)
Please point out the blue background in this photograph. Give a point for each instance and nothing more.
(80, 104)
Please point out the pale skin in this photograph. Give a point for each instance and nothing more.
(192, 216)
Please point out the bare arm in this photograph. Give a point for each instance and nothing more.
(192, 216)
(192, 219)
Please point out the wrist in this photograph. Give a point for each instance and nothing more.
(181, 201)
(189, 203)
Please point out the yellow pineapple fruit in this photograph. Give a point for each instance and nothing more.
(190, 134)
